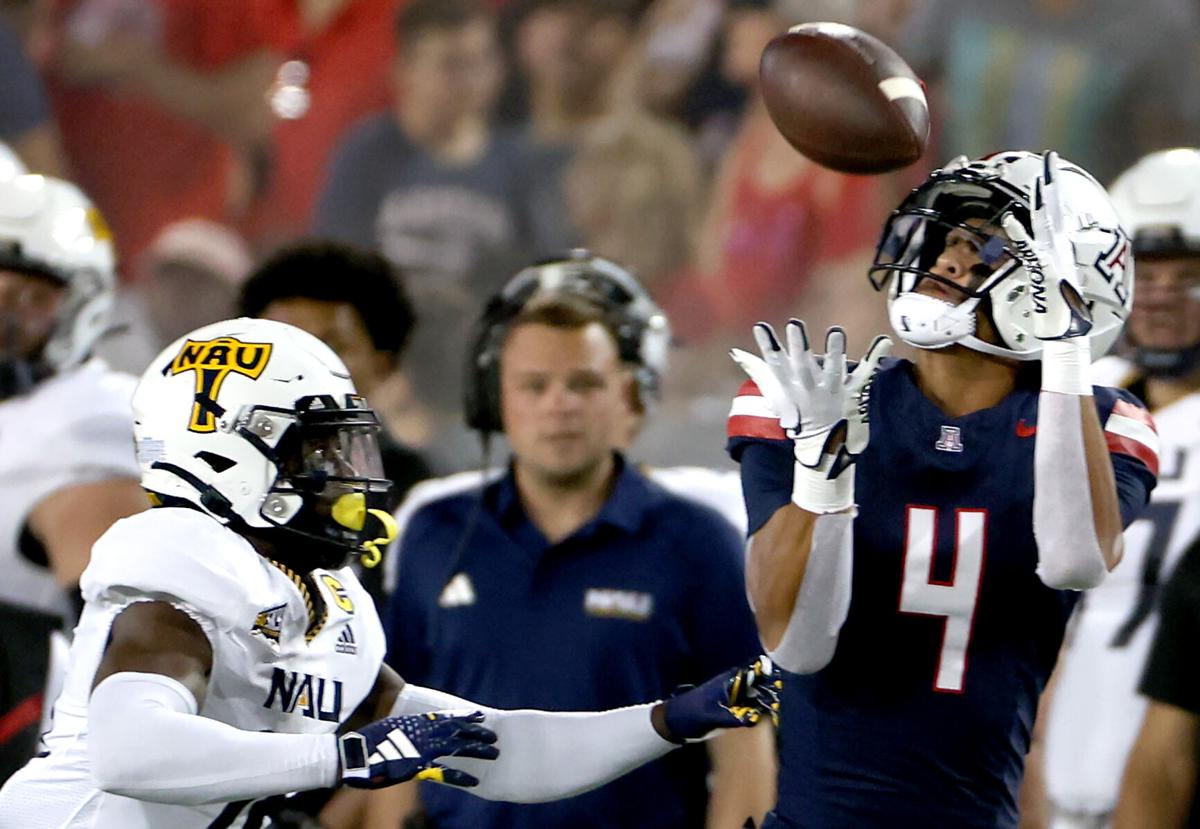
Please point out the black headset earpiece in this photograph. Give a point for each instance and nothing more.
(481, 386)
(607, 284)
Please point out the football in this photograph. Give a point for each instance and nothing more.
(844, 98)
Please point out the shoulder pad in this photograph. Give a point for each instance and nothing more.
(182, 554)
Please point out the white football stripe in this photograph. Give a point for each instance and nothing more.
(900, 87)
(1127, 427)
(750, 405)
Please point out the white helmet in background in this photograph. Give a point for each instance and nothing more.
(49, 228)
(1159, 202)
(971, 197)
(1158, 199)
(11, 165)
(258, 424)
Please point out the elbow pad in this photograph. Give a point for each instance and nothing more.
(147, 741)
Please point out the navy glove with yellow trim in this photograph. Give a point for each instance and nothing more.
(396, 749)
(735, 699)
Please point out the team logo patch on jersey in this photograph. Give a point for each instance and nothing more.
(213, 361)
(314, 697)
(458, 592)
(950, 441)
(340, 597)
(618, 604)
(269, 623)
(345, 642)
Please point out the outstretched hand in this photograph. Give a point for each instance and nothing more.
(822, 404)
(396, 749)
(738, 698)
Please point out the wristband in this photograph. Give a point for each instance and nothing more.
(1067, 366)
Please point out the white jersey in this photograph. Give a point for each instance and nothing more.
(73, 428)
(1096, 711)
(284, 659)
(719, 489)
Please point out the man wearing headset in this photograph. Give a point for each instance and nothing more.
(571, 565)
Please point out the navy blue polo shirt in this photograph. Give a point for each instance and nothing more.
(647, 596)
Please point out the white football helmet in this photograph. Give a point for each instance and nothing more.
(258, 424)
(971, 197)
(11, 165)
(1158, 199)
(50, 228)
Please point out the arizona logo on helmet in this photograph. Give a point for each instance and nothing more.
(213, 360)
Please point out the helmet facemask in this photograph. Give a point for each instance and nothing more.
(328, 500)
(929, 310)
(969, 199)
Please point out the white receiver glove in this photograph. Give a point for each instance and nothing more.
(1061, 319)
(814, 399)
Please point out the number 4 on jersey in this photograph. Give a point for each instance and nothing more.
(955, 600)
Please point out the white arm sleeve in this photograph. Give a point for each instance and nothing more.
(1069, 555)
(146, 741)
(823, 600)
(547, 755)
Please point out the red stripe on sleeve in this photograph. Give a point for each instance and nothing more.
(750, 426)
(1127, 409)
(1119, 444)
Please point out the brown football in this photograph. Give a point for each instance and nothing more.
(844, 98)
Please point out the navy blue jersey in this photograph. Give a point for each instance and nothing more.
(923, 716)
(645, 597)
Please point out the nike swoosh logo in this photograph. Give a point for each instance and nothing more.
(1024, 430)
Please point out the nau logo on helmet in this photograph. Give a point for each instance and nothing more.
(213, 361)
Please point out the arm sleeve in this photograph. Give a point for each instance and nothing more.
(548, 755)
(1172, 674)
(146, 741)
(1069, 555)
(823, 601)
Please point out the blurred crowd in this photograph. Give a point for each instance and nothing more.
(464, 139)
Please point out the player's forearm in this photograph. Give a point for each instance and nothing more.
(1160, 775)
(548, 755)
(1106, 506)
(1069, 557)
(146, 741)
(1151, 797)
(801, 585)
(776, 560)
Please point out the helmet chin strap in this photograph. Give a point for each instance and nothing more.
(931, 323)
